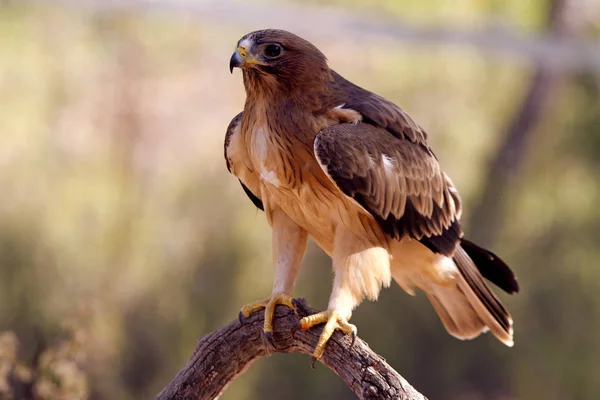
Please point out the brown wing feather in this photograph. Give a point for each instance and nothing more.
(377, 111)
(231, 129)
(395, 180)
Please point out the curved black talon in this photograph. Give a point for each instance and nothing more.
(269, 337)
(353, 339)
(312, 363)
(241, 318)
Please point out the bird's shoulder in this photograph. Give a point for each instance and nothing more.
(397, 181)
(376, 110)
(384, 163)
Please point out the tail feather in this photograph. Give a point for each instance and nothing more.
(483, 299)
(456, 313)
(457, 289)
(471, 307)
(491, 267)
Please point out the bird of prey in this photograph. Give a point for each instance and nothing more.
(327, 159)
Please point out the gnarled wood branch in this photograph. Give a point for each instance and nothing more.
(222, 355)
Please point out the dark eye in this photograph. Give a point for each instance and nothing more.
(272, 50)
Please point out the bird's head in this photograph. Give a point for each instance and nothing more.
(277, 56)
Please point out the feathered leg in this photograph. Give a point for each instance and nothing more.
(361, 269)
(289, 246)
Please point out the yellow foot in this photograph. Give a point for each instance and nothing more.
(333, 320)
(269, 305)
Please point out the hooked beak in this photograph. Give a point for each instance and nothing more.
(237, 60)
(241, 58)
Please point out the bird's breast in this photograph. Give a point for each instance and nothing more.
(278, 160)
(289, 177)
(260, 143)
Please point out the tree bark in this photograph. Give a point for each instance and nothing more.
(222, 355)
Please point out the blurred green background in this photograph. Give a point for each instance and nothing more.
(123, 238)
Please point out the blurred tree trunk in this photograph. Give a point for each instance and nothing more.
(565, 19)
(224, 354)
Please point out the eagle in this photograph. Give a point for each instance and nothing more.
(325, 158)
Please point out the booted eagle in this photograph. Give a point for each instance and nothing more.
(326, 158)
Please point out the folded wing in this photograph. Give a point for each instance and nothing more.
(396, 180)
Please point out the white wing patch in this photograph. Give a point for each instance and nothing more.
(388, 164)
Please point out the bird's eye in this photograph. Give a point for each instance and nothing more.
(272, 50)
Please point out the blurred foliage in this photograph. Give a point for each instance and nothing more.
(54, 373)
(123, 238)
(529, 15)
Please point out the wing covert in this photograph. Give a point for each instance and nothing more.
(396, 180)
(378, 111)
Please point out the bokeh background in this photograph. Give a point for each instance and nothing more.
(123, 238)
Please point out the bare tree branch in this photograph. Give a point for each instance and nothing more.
(222, 355)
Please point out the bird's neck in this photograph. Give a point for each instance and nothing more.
(312, 93)
(294, 110)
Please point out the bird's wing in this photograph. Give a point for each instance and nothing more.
(376, 110)
(399, 182)
(233, 132)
